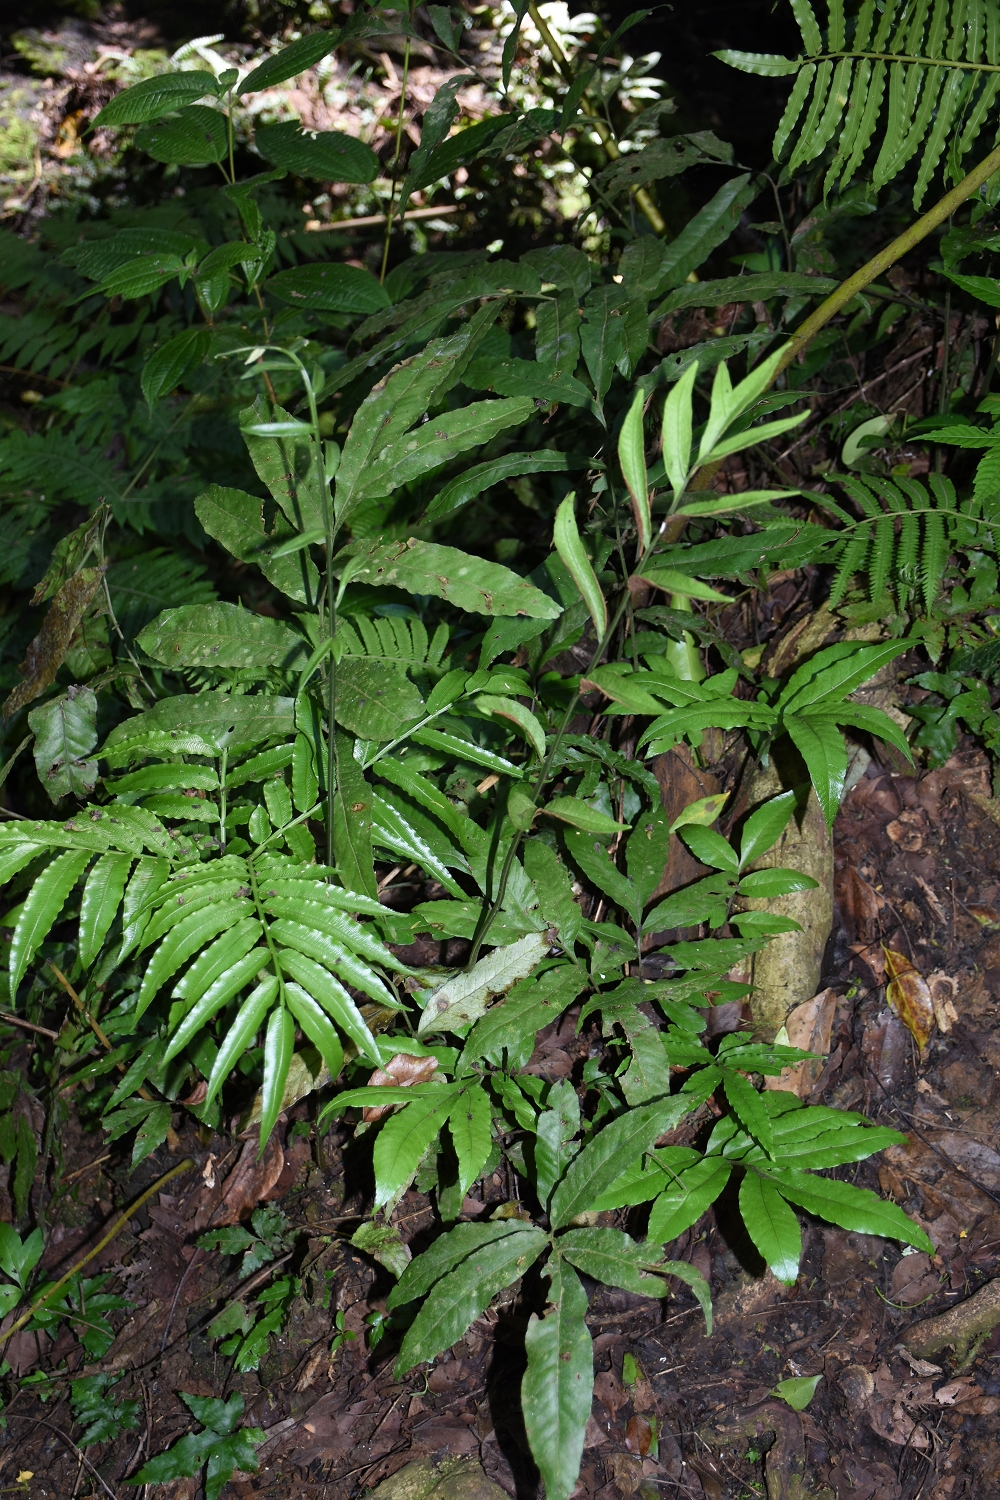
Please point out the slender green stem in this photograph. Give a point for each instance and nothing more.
(903, 57)
(607, 139)
(881, 262)
(396, 153)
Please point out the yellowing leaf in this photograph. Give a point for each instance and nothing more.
(704, 811)
(909, 996)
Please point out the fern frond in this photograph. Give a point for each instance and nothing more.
(941, 61)
(143, 585)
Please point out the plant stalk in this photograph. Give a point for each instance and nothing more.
(116, 1228)
(881, 262)
(608, 141)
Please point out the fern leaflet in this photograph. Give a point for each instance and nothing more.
(934, 63)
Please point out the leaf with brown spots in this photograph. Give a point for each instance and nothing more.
(47, 652)
(909, 995)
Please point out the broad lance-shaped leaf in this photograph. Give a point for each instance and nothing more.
(279, 1043)
(213, 721)
(569, 545)
(772, 1226)
(614, 1258)
(303, 53)
(558, 1385)
(240, 972)
(523, 718)
(835, 672)
(468, 582)
(400, 400)
(404, 1138)
(41, 908)
(444, 1255)
(236, 519)
(459, 1297)
(473, 482)
(375, 701)
(65, 731)
(221, 635)
(154, 97)
(462, 1000)
(682, 1203)
(632, 456)
(822, 747)
(470, 1123)
(247, 1023)
(610, 1152)
(850, 1207)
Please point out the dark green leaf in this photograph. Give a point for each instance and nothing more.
(155, 96)
(558, 1385)
(329, 156)
(195, 136)
(289, 62)
(772, 1226)
(612, 1257)
(610, 1152)
(459, 1297)
(331, 287)
(222, 635)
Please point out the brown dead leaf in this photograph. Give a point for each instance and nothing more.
(913, 1280)
(638, 1435)
(249, 1181)
(47, 652)
(858, 904)
(807, 1026)
(907, 830)
(908, 994)
(403, 1070)
(944, 990)
(626, 1473)
(918, 1366)
(986, 916)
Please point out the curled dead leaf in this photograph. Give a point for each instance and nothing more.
(943, 990)
(403, 1070)
(47, 652)
(909, 996)
(907, 830)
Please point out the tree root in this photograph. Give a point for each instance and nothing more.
(961, 1328)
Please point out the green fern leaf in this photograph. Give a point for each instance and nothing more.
(851, 559)
(942, 63)
(880, 563)
(906, 556)
(42, 907)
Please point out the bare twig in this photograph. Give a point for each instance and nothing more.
(5, 1015)
(116, 1228)
(72, 1447)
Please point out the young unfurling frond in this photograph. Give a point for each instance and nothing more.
(925, 72)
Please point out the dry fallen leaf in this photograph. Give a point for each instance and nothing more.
(986, 916)
(907, 831)
(807, 1026)
(638, 1435)
(402, 1070)
(943, 992)
(909, 996)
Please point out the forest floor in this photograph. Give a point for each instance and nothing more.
(674, 1414)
